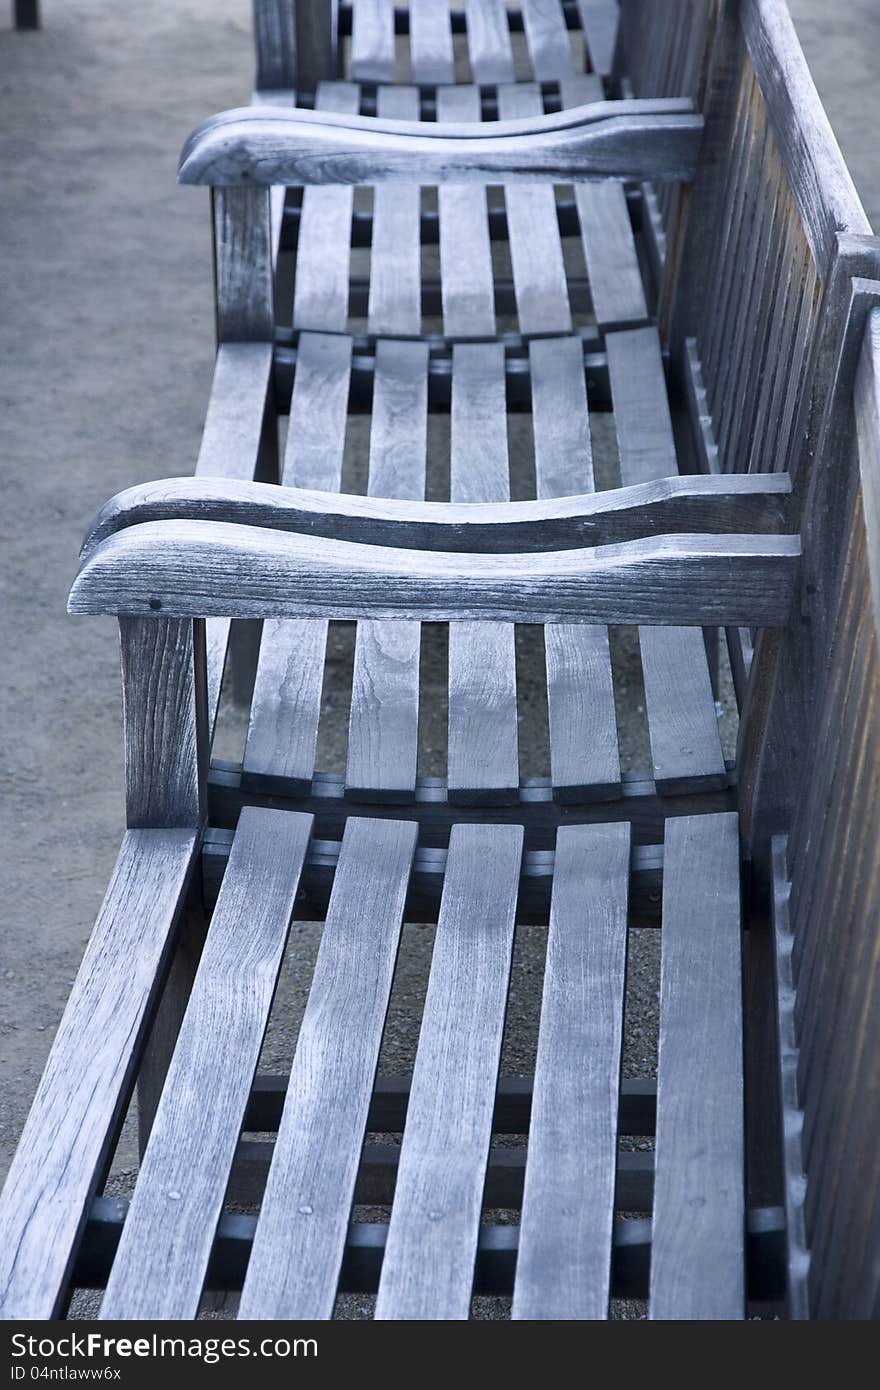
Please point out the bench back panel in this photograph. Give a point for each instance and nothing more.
(664, 49)
(753, 271)
(829, 681)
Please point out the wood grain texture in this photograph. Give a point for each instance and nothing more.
(616, 284)
(533, 232)
(71, 1129)
(317, 41)
(243, 264)
(193, 568)
(697, 1257)
(615, 277)
(599, 21)
(567, 1224)
(867, 415)
(488, 36)
(164, 705)
(580, 694)
(466, 275)
(300, 1236)
(817, 175)
(431, 1249)
(564, 516)
(285, 707)
(166, 1243)
(236, 439)
(395, 303)
(383, 731)
(430, 42)
(323, 257)
(372, 41)
(620, 140)
(680, 703)
(483, 744)
(275, 43)
(547, 39)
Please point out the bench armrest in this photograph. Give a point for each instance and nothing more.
(196, 569)
(758, 503)
(622, 140)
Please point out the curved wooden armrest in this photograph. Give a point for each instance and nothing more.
(195, 569)
(758, 504)
(657, 140)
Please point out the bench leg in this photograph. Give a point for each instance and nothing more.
(26, 14)
(169, 1015)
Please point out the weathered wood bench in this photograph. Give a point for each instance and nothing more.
(748, 452)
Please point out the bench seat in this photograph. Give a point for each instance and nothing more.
(447, 1178)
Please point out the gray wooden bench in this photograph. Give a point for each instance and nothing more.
(762, 399)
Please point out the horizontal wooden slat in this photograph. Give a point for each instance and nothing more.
(71, 1129)
(657, 140)
(757, 504)
(208, 569)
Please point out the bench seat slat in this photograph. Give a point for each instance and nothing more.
(285, 709)
(431, 1249)
(166, 1242)
(372, 41)
(682, 722)
(567, 1227)
(697, 1260)
(533, 231)
(323, 260)
(547, 39)
(483, 743)
(466, 277)
(384, 722)
(69, 1135)
(584, 752)
(300, 1236)
(599, 22)
(488, 37)
(430, 42)
(230, 448)
(395, 301)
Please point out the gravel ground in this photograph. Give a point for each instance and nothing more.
(105, 363)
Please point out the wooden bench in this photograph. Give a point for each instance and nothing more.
(746, 501)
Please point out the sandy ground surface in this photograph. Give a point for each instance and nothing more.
(105, 361)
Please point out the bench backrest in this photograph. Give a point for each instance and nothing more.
(821, 780)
